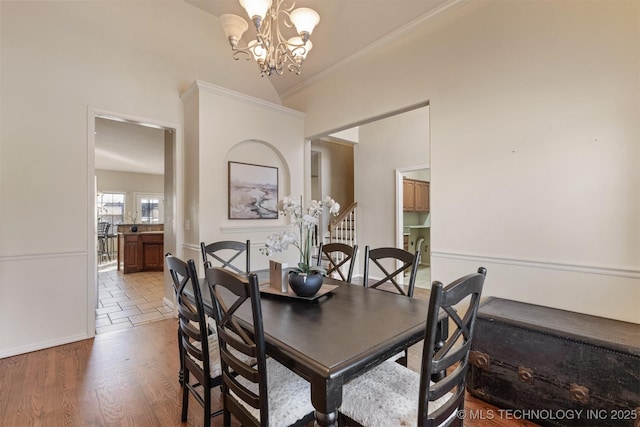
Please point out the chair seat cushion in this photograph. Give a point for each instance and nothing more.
(289, 395)
(385, 396)
(214, 356)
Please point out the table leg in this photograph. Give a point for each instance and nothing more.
(323, 419)
(326, 397)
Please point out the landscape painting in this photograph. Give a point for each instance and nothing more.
(253, 191)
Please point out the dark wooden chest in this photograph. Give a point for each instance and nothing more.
(554, 367)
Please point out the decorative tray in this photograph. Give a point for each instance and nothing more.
(267, 289)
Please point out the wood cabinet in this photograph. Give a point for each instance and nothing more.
(141, 251)
(415, 197)
(408, 195)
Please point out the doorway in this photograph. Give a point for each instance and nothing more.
(413, 216)
(383, 146)
(137, 158)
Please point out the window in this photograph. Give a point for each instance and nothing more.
(150, 208)
(110, 208)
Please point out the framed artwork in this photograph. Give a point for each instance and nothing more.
(253, 191)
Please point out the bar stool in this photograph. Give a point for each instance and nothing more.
(103, 236)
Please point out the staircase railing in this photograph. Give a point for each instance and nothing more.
(343, 228)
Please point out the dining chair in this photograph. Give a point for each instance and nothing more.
(103, 243)
(197, 343)
(337, 257)
(261, 392)
(386, 260)
(392, 395)
(225, 252)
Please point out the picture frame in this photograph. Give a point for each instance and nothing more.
(253, 191)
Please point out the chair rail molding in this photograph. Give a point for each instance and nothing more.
(50, 255)
(632, 273)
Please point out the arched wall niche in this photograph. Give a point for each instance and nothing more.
(263, 153)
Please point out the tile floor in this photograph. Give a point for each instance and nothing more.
(127, 300)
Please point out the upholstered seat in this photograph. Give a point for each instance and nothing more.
(393, 395)
(288, 395)
(214, 356)
(394, 387)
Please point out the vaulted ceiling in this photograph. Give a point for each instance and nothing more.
(347, 28)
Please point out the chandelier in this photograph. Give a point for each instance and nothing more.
(271, 50)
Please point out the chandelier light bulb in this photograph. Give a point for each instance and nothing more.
(305, 20)
(234, 27)
(256, 9)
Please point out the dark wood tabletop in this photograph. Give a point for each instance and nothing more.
(334, 338)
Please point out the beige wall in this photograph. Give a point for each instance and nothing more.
(337, 172)
(397, 142)
(534, 112)
(60, 60)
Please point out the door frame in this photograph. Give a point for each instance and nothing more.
(172, 229)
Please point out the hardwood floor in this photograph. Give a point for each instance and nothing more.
(124, 378)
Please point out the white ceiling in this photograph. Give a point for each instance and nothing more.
(129, 147)
(346, 27)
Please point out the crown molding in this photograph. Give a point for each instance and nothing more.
(201, 86)
(378, 44)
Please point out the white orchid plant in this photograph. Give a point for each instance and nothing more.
(305, 221)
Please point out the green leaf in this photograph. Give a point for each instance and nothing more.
(318, 269)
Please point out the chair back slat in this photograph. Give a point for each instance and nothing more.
(338, 256)
(225, 252)
(452, 357)
(192, 323)
(244, 379)
(386, 260)
(194, 333)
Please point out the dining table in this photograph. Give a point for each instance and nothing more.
(333, 338)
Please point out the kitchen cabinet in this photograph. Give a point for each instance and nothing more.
(141, 251)
(408, 195)
(415, 197)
